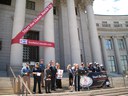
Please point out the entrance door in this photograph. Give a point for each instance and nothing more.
(31, 53)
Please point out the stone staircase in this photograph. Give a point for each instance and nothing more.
(5, 84)
(118, 88)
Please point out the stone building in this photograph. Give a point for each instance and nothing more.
(78, 34)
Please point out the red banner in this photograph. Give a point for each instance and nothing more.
(18, 39)
(36, 20)
(35, 42)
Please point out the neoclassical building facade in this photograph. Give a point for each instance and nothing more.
(79, 35)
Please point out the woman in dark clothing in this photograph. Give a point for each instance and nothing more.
(47, 77)
(70, 72)
(77, 78)
(37, 78)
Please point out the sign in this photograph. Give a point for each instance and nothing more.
(18, 38)
(99, 78)
(85, 81)
(59, 74)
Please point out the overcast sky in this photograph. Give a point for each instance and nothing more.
(111, 7)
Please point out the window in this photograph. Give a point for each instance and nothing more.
(111, 62)
(30, 5)
(126, 23)
(108, 44)
(78, 33)
(6, 2)
(31, 53)
(121, 43)
(81, 58)
(104, 24)
(0, 44)
(124, 62)
(116, 24)
(97, 24)
(76, 10)
(54, 10)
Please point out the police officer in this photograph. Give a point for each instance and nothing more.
(37, 78)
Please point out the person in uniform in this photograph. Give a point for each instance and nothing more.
(37, 78)
(47, 78)
(42, 66)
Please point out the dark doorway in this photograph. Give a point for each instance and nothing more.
(31, 53)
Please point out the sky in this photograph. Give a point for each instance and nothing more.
(110, 7)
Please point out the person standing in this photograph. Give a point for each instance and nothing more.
(53, 75)
(42, 66)
(25, 72)
(77, 78)
(70, 72)
(37, 78)
(58, 76)
(47, 78)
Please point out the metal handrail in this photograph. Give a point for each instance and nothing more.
(13, 73)
(14, 81)
(17, 82)
(22, 81)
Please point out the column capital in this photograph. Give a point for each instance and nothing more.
(102, 36)
(81, 7)
(62, 1)
(89, 2)
(126, 36)
(114, 37)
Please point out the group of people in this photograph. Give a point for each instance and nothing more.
(50, 75)
(77, 70)
(41, 73)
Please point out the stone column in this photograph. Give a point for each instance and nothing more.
(74, 41)
(16, 55)
(117, 53)
(49, 52)
(126, 42)
(95, 45)
(105, 55)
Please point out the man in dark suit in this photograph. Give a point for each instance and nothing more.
(37, 78)
(53, 75)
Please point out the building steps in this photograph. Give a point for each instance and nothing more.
(5, 86)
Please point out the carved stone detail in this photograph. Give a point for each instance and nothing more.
(89, 2)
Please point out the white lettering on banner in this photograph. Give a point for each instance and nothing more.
(32, 24)
(26, 29)
(18, 38)
(39, 43)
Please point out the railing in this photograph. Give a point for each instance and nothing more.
(19, 85)
(14, 81)
(27, 91)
